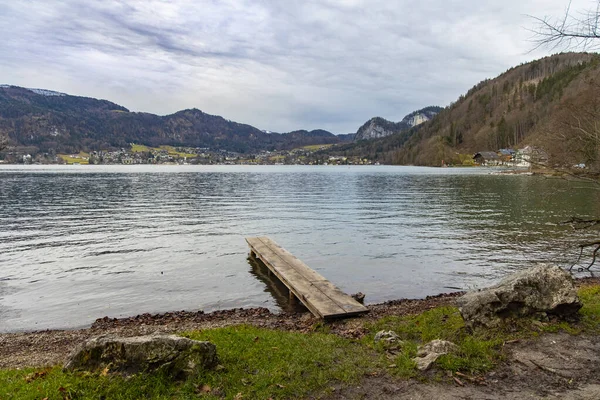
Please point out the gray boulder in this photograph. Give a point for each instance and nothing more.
(174, 355)
(537, 291)
(430, 352)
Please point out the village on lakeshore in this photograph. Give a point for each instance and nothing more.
(307, 155)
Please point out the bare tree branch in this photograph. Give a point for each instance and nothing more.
(571, 32)
(594, 254)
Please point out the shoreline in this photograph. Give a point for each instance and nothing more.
(51, 347)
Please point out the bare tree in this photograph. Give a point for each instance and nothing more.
(578, 31)
(3, 142)
(574, 31)
(578, 130)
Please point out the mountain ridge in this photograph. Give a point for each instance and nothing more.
(53, 121)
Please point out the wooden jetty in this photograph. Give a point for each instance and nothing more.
(319, 295)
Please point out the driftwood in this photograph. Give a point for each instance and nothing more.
(580, 223)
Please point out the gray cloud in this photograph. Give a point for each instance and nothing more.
(278, 65)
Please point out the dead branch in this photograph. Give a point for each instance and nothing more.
(594, 254)
(549, 370)
(573, 31)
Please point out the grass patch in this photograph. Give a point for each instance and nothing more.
(140, 148)
(261, 363)
(481, 350)
(315, 147)
(478, 352)
(53, 383)
(81, 158)
(258, 363)
(590, 312)
(172, 151)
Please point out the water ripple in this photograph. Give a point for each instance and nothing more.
(79, 243)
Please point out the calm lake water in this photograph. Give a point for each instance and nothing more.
(82, 242)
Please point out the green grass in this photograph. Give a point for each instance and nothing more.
(315, 147)
(478, 352)
(140, 148)
(590, 312)
(53, 383)
(79, 158)
(173, 152)
(258, 363)
(481, 350)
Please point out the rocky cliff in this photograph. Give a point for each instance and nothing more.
(378, 127)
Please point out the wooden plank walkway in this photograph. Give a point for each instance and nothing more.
(319, 295)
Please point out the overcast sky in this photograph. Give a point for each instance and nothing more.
(276, 64)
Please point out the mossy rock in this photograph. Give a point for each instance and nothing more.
(174, 355)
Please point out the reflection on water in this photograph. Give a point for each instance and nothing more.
(273, 286)
(78, 243)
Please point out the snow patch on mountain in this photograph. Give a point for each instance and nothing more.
(45, 92)
(42, 92)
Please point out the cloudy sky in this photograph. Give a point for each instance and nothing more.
(276, 64)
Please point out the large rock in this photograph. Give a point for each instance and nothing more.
(174, 355)
(536, 291)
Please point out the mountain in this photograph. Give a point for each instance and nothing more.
(552, 104)
(52, 121)
(378, 127)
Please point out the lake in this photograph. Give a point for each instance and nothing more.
(83, 242)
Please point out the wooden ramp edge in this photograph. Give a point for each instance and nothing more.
(319, 295)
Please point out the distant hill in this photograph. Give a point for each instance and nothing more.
(540, 103)
(53, 121)
(377, 128)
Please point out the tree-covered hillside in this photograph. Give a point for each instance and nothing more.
(50, 121)
(545, 103)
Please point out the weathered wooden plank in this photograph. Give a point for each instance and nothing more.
(305, 270)
(332, 291)
(341, 299)
(319, 295)
(314, 299)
